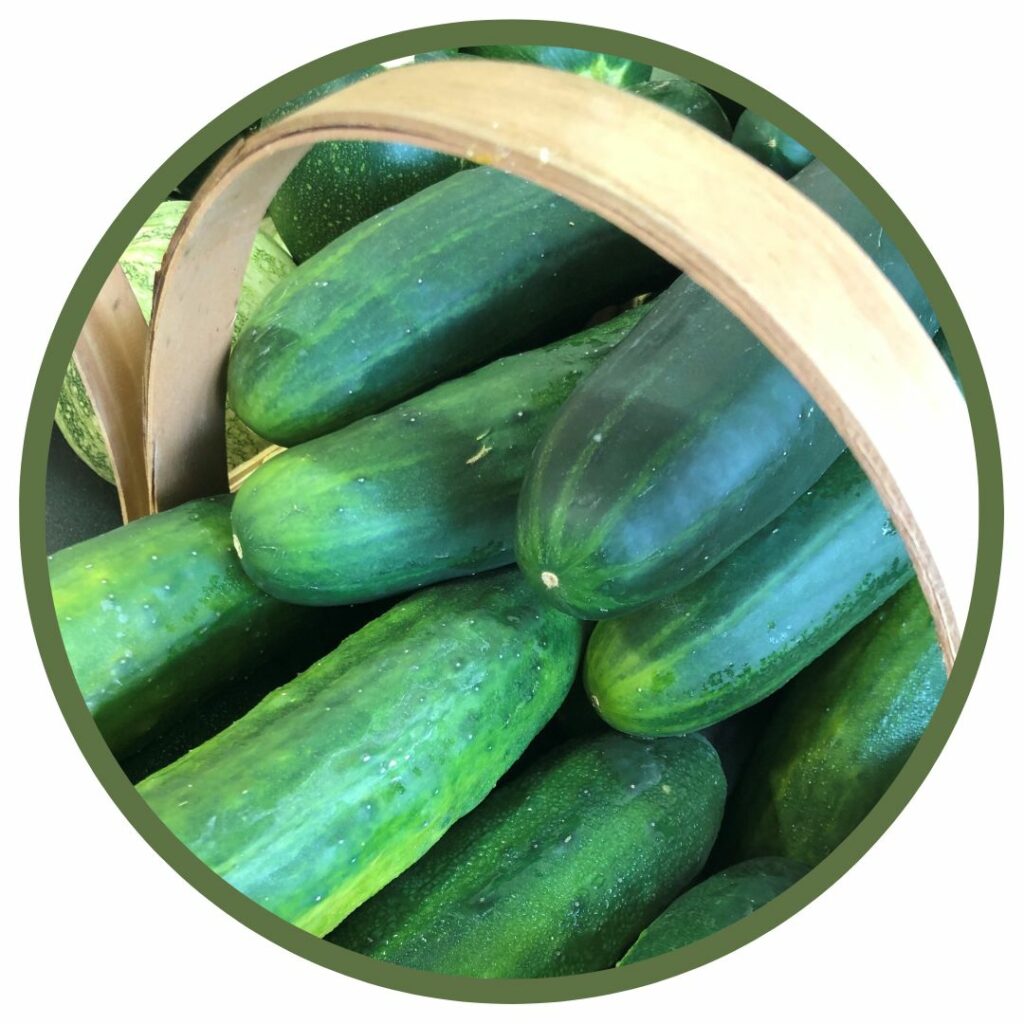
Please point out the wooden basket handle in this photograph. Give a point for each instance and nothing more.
(771, 256)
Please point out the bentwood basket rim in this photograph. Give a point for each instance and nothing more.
(845, 333)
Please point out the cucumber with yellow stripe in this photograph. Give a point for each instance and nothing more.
(754, 621)
(341, 779)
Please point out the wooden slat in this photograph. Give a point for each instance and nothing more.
(798, 281)
(110, 357)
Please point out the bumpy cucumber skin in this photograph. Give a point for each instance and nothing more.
(315, 635)
(157, 614)
(687, 440)
(754, 621)
(839, 735)
(716, 903)
(336, 185)
(338, 781)
(421, 493)
(559, 869)
(770, 145)
(476, 266)
(603, 67)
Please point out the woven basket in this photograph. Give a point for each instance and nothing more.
(772, 257)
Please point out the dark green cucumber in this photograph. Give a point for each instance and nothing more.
(337, 185)
(337, 782)
(716, 903)
(476, 266)
(839, 735)
(559, 869)
(189, 185)
(435, 55)
(689, 99)
(734, 738)
(770, 145)
(315, 635)
(687, 440)
(423, 492)
(157, 614)
(603, 67)
(754, 621)
(729, 107)
(733, 108)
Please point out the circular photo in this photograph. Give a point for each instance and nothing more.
(443, 578)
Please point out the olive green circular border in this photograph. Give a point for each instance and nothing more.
(205, 142)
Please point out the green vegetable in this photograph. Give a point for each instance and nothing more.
(340, 780)
(189, 185)
(770, 145)
(839, 735)
(761, 615)
(337, 185)
(689, 99)
(688, 439)
(158, 614)
(476, 266)
(604, 67)
(420, 493)
(317, 632)
(268, 265)
(716, 903)
(559, 869)
(733, 108)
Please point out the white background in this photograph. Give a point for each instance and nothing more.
(98, 96)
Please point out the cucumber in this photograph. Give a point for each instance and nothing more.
(478, 265)
(421, 493)
(754, 621)
(687, 440)
(268, 264)
(770, 145)
(430, 56)
(839, 735)
(603, 67)
(316, 634)
(338, 781)
(158, 614)
(336, 185)
(559, 869)
(189, 185)
(689, 99)
(733, 108)
(734, 738)
(716, 903)
(475, 266)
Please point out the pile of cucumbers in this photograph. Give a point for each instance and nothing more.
(564, 632)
